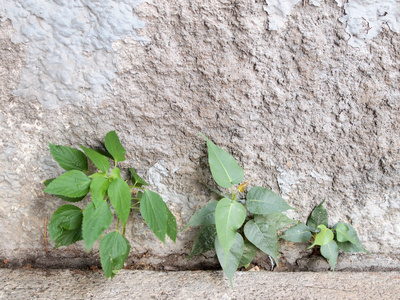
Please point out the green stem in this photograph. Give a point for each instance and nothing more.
(118, 225)
(123, 229)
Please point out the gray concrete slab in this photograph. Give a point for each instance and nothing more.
(77, 284)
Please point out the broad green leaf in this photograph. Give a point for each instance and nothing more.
(205, 240)
(224, 168)
(115, 173)
(352, 243)
(66, 217)
(69, 199)
(97, 175)
(229, 217)
(100, 161)
(98, 189)
(69, 158)
(104, 153)
(249, 252)
(277, 220)
(95, 221)
(330, 251)
(137, 181)
(120, 198)
(114, 250)
(229, 260)
(263, 201)
(171, 225)
(205, 216)
(154, 212)
(114, 146)
(71, 184)
(318, 216)
(263, 236)
(325, 236)
(68, 237)
(299, 234)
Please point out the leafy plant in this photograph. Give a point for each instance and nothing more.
(110, 195)
(327, 240)
(237, 228)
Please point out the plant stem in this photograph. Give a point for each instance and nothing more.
(123, 229)
(118, 225)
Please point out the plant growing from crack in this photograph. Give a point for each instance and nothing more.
(237, 228)
(327, 240)
(110, 195)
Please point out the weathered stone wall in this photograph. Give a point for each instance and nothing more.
(304, 112)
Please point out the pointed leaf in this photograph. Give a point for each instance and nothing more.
(114, 250)
(98, 175)
(230, 260)
(277, 220)
(115, 173)
(224, 168)
(137, 181)
(205, 216)
(114, 146)
(71, 184)
(104, 153)
(154, 212)
(95, 221)
(66, 217)
(299, 234)
(318, 216)
(263, 236)
(229, 216)
(69, 199)
(325, 236)
(120, 198)
(68, 237)
(98, 189)
(353, 243)
(100, 161)
(171, 225)
(69, 158)
(205, 240)
(249, 252)
(330, 251)
(263, 201)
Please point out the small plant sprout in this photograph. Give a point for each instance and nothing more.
(111, 196)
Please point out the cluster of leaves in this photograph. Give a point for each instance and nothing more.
(329, 240)
(237, 228)
(110, 195)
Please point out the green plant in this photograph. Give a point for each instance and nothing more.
(110, 195)
(236, 228)
(325, 239)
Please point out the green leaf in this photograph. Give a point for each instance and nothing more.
(229, 216)
(68, 237)
(114, 146)
(69, 199)
(154, 212)
(205, 216)
(330, 251)
(263, 236)
(69, 158)
(115, 173)
(325, 236)
(205, 240)
(95, 221)
(229, 260)
(98, 175)
(120, 198)
(137, 181)
(263, 201)
(171, 225)
(104, 153)
(66, 217)
(114, 250)
(277, 220)
(100, 161)
(249, 252)
(71, 184)
(352, 243)
(299, 234)
(98, 189)
(224, 168)
(318, 216)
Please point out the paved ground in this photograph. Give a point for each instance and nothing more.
(76, 284)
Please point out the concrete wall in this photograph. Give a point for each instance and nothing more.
(305, 95)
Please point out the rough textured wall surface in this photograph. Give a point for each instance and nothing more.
(305, 114)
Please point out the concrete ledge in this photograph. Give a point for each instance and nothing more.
(77, 284)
